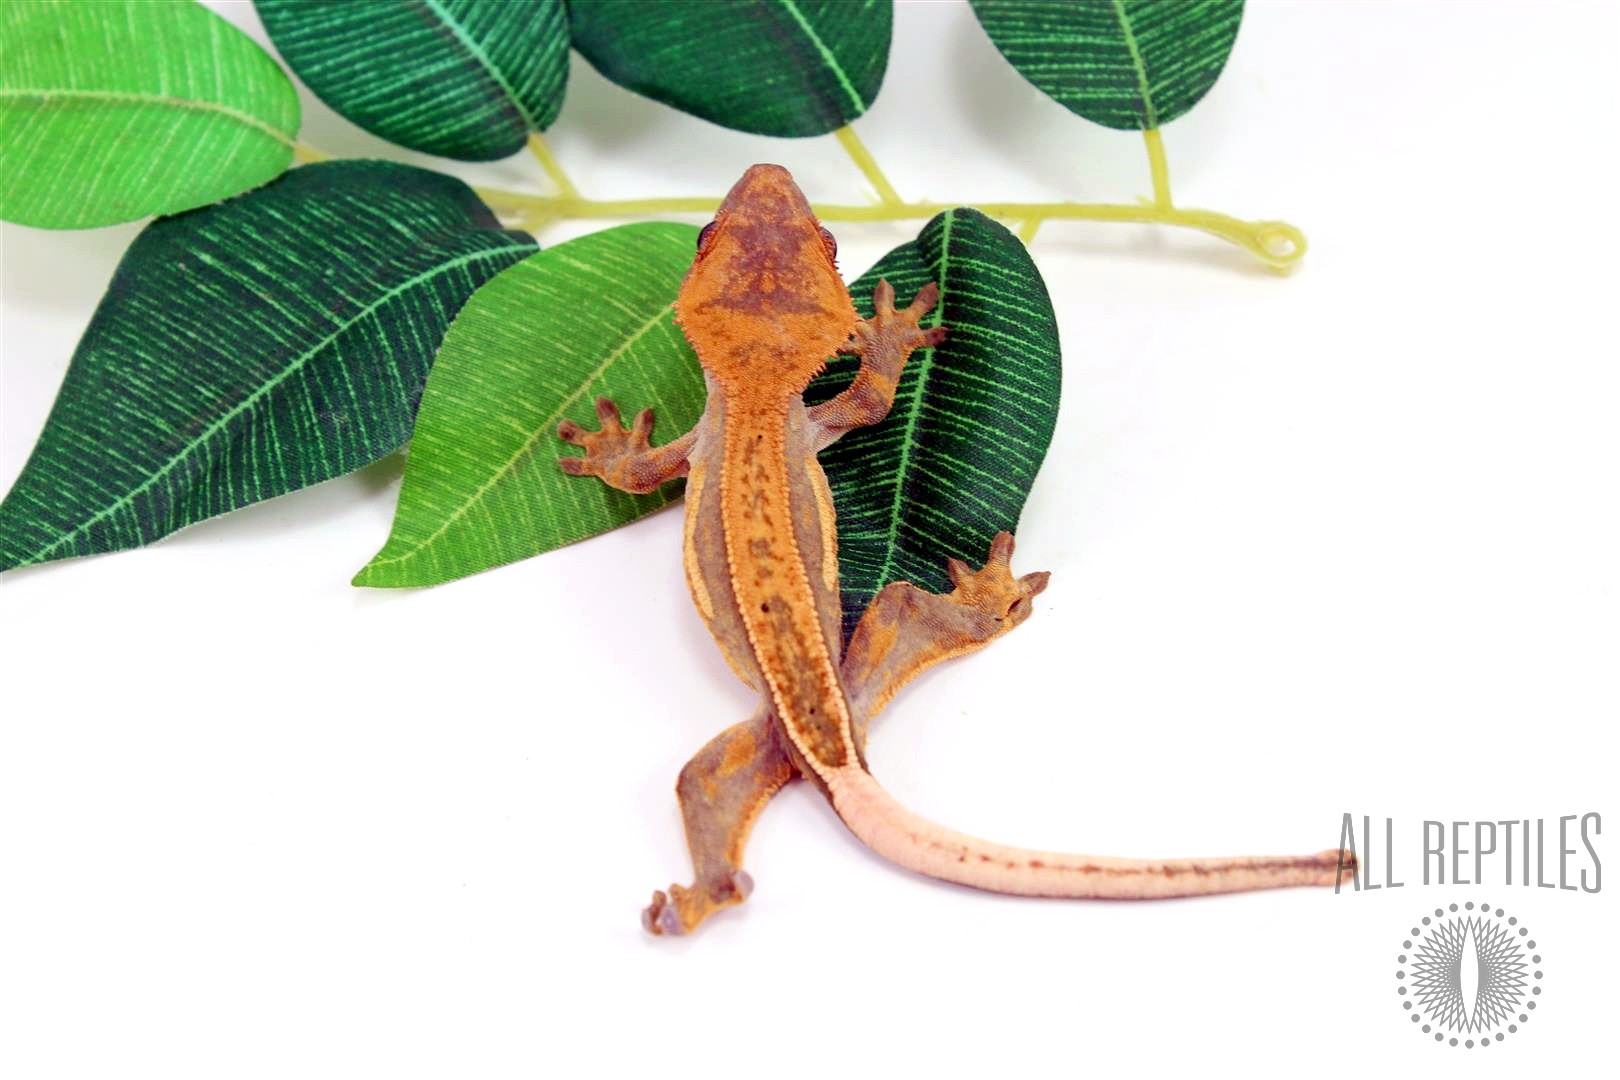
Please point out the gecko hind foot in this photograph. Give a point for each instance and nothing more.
(993, 591)
(682, 910)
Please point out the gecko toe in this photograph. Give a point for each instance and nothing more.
(669, 922)
(1001, 548)
(651, 913)
(883, 299)
(682, 909)
(742, 883)
(926, 298)
(1000, 599)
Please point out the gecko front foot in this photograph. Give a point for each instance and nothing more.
(999, 600)
(683, 909)
(623, 457)
(897, 330)
(606, 450)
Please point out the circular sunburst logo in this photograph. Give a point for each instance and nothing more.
(1468, 977)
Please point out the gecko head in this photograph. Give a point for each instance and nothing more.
(763, 302)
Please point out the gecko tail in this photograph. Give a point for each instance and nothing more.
(908, 840)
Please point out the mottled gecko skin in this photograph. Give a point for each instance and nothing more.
(764, 307)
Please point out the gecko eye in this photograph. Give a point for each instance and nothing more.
(704, 234)
(830, 244)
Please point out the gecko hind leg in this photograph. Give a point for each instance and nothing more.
(721, 792)
(907, 630)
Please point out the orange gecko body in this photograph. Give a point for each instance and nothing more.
(764, 307)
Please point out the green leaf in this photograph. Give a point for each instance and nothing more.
(115, 110)
(465, 79)
(953, 462)
(1127, 64)
(770, 67)
(251, 348)
(537, 345)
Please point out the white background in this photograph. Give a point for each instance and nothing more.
(1340, 541)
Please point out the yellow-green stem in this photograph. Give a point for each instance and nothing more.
(542, 154)
(1276, 242)
(1159, 167)
(305, 154)
(868, 165)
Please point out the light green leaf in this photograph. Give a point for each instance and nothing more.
(467, 79)
(537, 345)
(117, 109)
(770, 67)
(251, 348)
(1128, 64)
(953, 462)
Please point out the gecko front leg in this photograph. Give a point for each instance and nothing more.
(883, 342)
(624, 457)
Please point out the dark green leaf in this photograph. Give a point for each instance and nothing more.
(953, 462)
(114, 110)
(467, 79)
(251, 348)
(1128, 64)
(770, 67)
(536, 345)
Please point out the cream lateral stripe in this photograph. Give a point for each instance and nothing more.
(695, 480)
(829, 526)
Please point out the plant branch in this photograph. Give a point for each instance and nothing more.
(305, 154)
(1159, 167)
(1277, 243)
(542, 154)
(868, 165)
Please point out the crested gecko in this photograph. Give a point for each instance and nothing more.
(764, 307)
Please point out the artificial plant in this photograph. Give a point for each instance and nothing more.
(318, 318)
